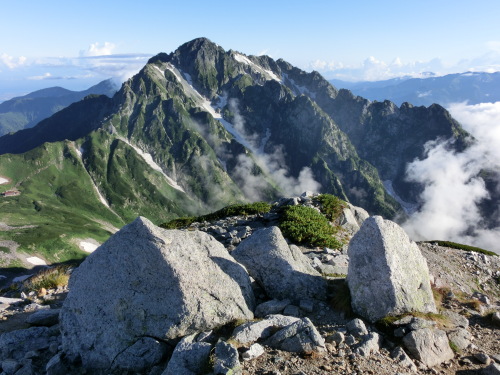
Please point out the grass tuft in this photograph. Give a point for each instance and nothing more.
(50, 278)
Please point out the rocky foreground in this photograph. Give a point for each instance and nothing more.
(239, 299)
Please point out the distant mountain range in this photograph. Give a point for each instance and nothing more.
(28, 110)
(473, 87)
(201, 128)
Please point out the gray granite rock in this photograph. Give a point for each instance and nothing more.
(299, 337)
(370, 345)
(254, 351)
(357, 327)
(149, 282)
(282, 270)
(45, 318)
(387, 273)
(460, 337)
(251, 332)
(273, 306)
(14, 344)
(430, 346)
(190, 357)
(143, 354)
(227, 359)
(400, 356)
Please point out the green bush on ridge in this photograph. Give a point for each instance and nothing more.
(305, 225)
(232, 210)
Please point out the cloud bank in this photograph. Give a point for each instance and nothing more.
(453, 188)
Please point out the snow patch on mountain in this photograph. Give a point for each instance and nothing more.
(79, 151)
(148, 158)
(299, 90)
(265, 72)
(36, 261)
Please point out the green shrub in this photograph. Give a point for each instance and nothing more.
(181, 222)
(305, 225)
(331, 206)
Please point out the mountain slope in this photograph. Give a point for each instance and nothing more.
(27, 111)
(201, 128)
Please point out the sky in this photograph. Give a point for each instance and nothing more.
(78, 44)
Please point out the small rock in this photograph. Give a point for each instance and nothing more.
(56, 366)
(10, 366)
(350, 340)
(273, 306)
(292, 310)
(255, 350)
(226, 359)
(357, 327)
(45, 318)
(400, 356)
(370, 345)
(250, 332)
(189, 357)
(307, 305)
(456, 319)
(299, 337)
(460, 337)
(337, 337)
(429, 346)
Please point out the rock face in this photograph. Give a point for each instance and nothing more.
(282, 270)
(387, 273)
(149, 282)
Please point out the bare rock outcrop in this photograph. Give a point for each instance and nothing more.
(147, 282)
(387, 273)
(282, 270)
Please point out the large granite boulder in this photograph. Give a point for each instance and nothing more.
(148, 282)
(387, 274)
(282, 270)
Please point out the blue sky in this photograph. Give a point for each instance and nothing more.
(77, 44)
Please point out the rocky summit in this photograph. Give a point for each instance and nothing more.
(179, 301)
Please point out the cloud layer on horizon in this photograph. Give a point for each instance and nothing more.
(373, 69)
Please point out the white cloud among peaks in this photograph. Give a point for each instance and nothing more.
(12, 62)
(98, 49)
(453, 188)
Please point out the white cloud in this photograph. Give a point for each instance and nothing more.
(42, 77)
(12, 62)
(452, 187)
(98, 49)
